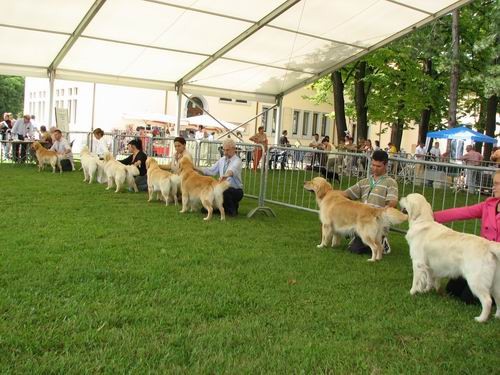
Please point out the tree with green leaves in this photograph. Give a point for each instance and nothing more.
(11, 94)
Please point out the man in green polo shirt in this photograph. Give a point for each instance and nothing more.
(378, 190)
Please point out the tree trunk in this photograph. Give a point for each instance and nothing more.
(491, 112)
(455, 70)
(339, 104)
(480, 125)
(360, 101)
(425, 117)
(397, 133)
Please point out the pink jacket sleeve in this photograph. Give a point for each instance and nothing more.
(461, 213)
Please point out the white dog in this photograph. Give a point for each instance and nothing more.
(437, 251)
(118, 173)
(90, 164)
(160, 181)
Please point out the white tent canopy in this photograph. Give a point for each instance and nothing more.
(251, 49)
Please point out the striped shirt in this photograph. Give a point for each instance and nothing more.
(377, 194)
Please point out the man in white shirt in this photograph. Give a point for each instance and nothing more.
(229, 168)
(200, 133)
(420, 155)
(435, 152)
(21, 130)
(316, 144)
(63, 148)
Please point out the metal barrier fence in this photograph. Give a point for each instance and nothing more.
(281, 172)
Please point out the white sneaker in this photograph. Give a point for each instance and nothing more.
(387, 247)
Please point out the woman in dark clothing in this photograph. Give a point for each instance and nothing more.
(137, 158)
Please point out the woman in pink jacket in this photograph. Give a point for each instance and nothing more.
(489, 213)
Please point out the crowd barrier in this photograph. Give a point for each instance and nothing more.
(280, 175)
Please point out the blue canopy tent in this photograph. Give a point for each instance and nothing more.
(462, 133)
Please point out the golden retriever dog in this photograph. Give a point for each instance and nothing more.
(90, 165)
(340, 216)
(197, 188)
(161, 181)
(45, 156)
(118, 173)
(437, 251)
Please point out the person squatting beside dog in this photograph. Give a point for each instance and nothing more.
(228, 168)
(63, 148)
(488, 211)
(377, 190)
(138, 158)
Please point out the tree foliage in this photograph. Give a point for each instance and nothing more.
(399, 85)
(11, 94)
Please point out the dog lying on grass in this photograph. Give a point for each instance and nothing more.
(340, 216)
(437, 251)
(45, 156)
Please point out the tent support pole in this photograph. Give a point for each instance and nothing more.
(52, 77)
(178, 88)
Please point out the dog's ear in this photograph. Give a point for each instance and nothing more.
(321, 187)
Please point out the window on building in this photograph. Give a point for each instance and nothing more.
(74, 111)
(62, 92)
(324, 125)
(227, 100)
(57, 92)
(315, 123)
(75, 91)
(264, 117)
(305, 123)
(241, 101)
(295, 125)
(70, 91)
(70, 106)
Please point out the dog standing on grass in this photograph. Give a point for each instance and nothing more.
(45, 156)
(437, 251)
(90, 165)
(161, 181)
(119, 173)
(197, 188)
(340, 216)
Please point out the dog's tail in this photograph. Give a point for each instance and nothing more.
(222, 186)
(391, 216)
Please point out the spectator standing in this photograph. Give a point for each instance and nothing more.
(420, 154)
(5, 132)
(474, 158)
(435, 152)
(21, 130)
(259, 138)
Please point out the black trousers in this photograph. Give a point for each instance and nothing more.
(232, 198)
(141, 182)
(459, 288)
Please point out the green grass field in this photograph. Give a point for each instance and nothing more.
(97, 282)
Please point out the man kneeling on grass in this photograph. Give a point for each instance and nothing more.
(228, 168)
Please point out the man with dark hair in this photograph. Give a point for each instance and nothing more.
(63, 149)
(137, 158)
(377, 190)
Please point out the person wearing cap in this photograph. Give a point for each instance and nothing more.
(138, 158)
